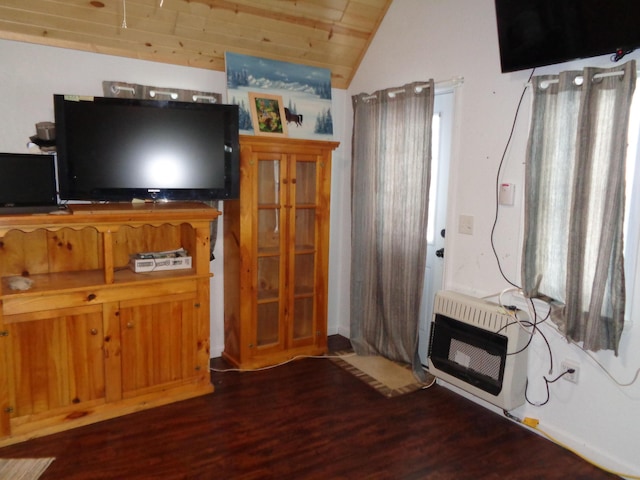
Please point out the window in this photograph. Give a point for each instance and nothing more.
(632, 210)
(574, 203)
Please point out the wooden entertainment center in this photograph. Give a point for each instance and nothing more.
(90, 339)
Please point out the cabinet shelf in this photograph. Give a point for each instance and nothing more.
(126, 275)
(267, 296)
(301, 292)
(268, 252)
(52, 283)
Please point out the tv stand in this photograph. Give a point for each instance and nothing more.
(91, 339)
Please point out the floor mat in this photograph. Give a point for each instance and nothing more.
(23, 468)
(387, 377)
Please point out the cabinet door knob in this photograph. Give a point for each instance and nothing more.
(130, 325)
(93, 331)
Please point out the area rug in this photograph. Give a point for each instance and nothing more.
(389, 378)
(23, 468)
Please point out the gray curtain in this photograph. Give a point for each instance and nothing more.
(574, 201)
(390, 191)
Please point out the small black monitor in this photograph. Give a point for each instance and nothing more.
(27, 180)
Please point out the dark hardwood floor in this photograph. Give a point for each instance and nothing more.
(308, 419)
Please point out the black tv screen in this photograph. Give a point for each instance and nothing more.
(114, 149)
(534, 33)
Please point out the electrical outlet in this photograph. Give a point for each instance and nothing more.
(570, 365)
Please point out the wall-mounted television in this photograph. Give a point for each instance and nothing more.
(534, 33)
(115, 149)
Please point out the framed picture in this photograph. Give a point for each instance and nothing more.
(267, 114)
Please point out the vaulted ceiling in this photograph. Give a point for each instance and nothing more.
(332, 34)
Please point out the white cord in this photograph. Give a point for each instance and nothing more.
(512, 313)
(532, 316)
(595, 360)
(297, 357)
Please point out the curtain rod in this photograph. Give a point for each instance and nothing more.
(449, 84)
(441, 85)
(579, 79)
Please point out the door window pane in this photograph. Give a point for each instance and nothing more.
(305, 183)
(304, 274)
(269, 230)
(268, 182)
(268, 277)
(305, 229)
(303, 318)
(267, 325)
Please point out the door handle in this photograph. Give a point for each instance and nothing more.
(440, 253)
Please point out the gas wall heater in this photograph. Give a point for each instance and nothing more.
(479, 347)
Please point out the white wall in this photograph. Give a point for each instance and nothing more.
(421, 39)
(31, 74)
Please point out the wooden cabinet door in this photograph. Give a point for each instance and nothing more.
(292, 229)
(163, 343)
(270, 225)
(306, 272)
(56, 361)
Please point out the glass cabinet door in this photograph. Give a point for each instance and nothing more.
(270, 269)
(304, 252)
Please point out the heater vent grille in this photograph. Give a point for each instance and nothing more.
(473, 311)
(474, 358)
(479, 347)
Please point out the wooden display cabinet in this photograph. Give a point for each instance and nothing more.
(276, 252)
(91, 339)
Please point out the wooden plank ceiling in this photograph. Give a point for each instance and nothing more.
(331, 34)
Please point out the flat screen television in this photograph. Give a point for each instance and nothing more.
(533, 33)
(115, 149)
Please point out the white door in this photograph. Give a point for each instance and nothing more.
(441, 151)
